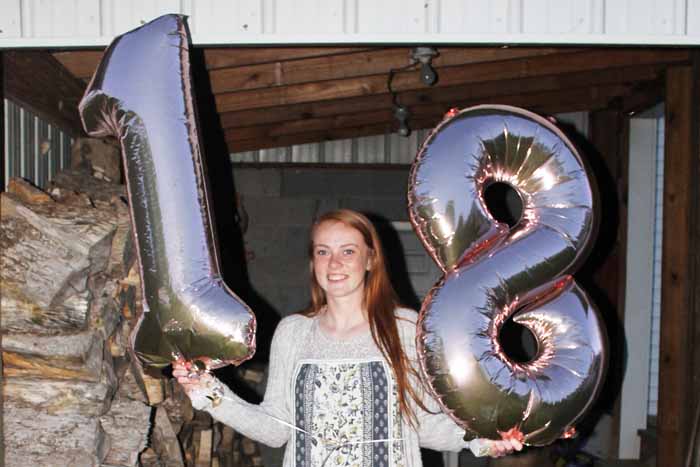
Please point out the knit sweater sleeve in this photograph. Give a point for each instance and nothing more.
(264, 422)
(436, 430)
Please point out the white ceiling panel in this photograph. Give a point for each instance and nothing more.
(75, 23)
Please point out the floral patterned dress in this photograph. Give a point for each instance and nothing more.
(349, 412)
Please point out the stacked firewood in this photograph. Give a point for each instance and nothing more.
(73, 394)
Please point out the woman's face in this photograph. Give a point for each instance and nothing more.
(340, 259)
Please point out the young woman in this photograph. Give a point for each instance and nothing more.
(343, 389)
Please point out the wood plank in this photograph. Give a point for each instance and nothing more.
(547, 102)
(83, 63)
(605, 266)
(695, 238)
(371, 62)
(80, 63)
(40, 83)
(678, 275)
(326, 135)
(449, 95)
(644, 96)
(377, 123)
(573, 62)
(241, 56)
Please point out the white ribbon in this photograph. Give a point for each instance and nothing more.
(328, 445)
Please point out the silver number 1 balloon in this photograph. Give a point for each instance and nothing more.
(493, 273)
(141, 94)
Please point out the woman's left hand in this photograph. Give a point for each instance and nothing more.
(503, 447)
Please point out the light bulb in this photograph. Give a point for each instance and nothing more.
(401, 114)
(424, 56)
(427, 74)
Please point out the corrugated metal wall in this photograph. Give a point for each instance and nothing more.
(83, 22)
(34, 149)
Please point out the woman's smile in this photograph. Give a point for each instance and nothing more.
(336, 277)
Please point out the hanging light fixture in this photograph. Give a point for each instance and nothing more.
(401, 114)
(418, 55)
(424, 56)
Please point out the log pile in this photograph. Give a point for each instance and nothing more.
(73, 394)
(60, 312)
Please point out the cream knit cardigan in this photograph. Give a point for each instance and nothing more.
(299, 338)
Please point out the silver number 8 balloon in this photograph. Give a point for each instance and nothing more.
(493, 273)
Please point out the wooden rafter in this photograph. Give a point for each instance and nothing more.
(352, 65)
(644, 96)
(242, 56)
(484, 92)
(40, 83)
(325, 135)
(276, 95)
(82, 64)
(448, 95)
(299, 131)
(565, 62)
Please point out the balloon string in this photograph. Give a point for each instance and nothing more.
(326, 443)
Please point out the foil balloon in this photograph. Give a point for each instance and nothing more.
(141, 94)
(493, 273)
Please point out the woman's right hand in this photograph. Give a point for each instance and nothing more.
(190, 379)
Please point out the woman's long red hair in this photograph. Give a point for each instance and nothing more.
(380, 301)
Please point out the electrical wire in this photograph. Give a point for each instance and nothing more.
(390, 78)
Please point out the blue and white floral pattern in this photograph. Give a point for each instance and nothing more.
(347, 407)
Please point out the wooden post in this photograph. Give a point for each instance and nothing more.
(695, 256)
(679, 381)
(605, 268)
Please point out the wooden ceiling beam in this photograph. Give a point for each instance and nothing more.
(351, 65)
(323, 135)
(447, 95)
(80, 63)
(643, 97)
(305, 131)
(572, 62)
(38, 82)
(216, 58)
(575, 99)
(83, 63)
